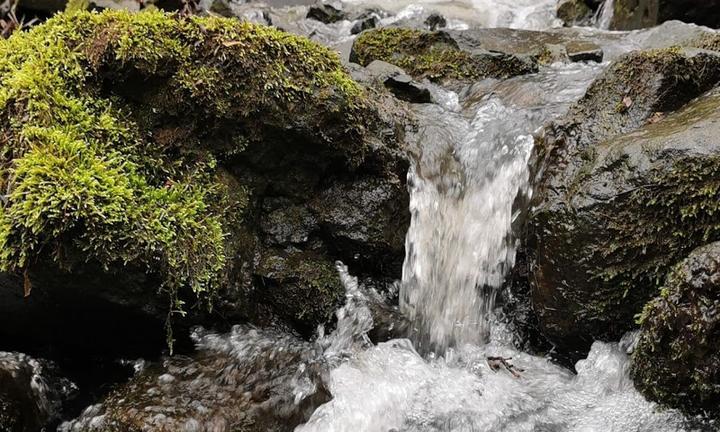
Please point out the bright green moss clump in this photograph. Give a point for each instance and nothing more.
(112, 125)
(434, 55)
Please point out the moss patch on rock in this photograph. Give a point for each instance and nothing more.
(113, 126)
(434, 55)
(677, 361)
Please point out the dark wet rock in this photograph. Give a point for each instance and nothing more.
(32, 393)
(242, 381)
(405, 88)
(574, 12)
(363, 24)
(435, 56)
(677, 361)
(636, 14)
(366, 221)
(327, 13)
(397, 82)
(623, 191)
(584, 51)
(435, 22)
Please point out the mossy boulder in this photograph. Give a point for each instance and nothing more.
(625, 187)
(435, 56)
(153, 145)
(677, 361)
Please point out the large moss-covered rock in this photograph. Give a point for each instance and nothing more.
(623, 191)
(677, 361)
(145, 152)
(435, 56)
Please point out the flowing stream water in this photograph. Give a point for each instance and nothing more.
(460, 369)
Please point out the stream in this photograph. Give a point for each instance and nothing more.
(460, 368)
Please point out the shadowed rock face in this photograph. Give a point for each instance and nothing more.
(625, 188)
(677, 361)
(637, 14)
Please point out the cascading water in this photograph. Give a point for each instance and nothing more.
(605, 14)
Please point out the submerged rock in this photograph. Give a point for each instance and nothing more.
(677, 361)
(435, 56)
(149, 151)
(624, 190)
(248, 380)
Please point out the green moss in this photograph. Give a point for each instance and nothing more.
(676, 361)
(433, 55)
(304, 287)
(111, 124)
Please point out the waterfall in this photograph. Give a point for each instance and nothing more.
(460, 245)
(604, 16)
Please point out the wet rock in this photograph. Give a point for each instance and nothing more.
(243, 381)
(435, 22)
(405, 88)
(624, 189)
(400, 84)
(327, 13)
(573, 11)
(676, 361)
(302, 287)
(367, 220)
(230, 225)
(32, 393)
(435, 56)
(636, 14)
(363, 24)
(584, 51)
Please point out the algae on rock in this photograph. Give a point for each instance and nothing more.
(677, 361)
(434, 55)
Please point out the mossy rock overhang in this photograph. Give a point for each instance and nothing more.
(115, 127)
(677, 361)
(435, 56)
(625, 187)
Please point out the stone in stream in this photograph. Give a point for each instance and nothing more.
(364, 23)
(223, 142)
(327, 13)
(625, 187)
(584, 51)
(677, 361)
